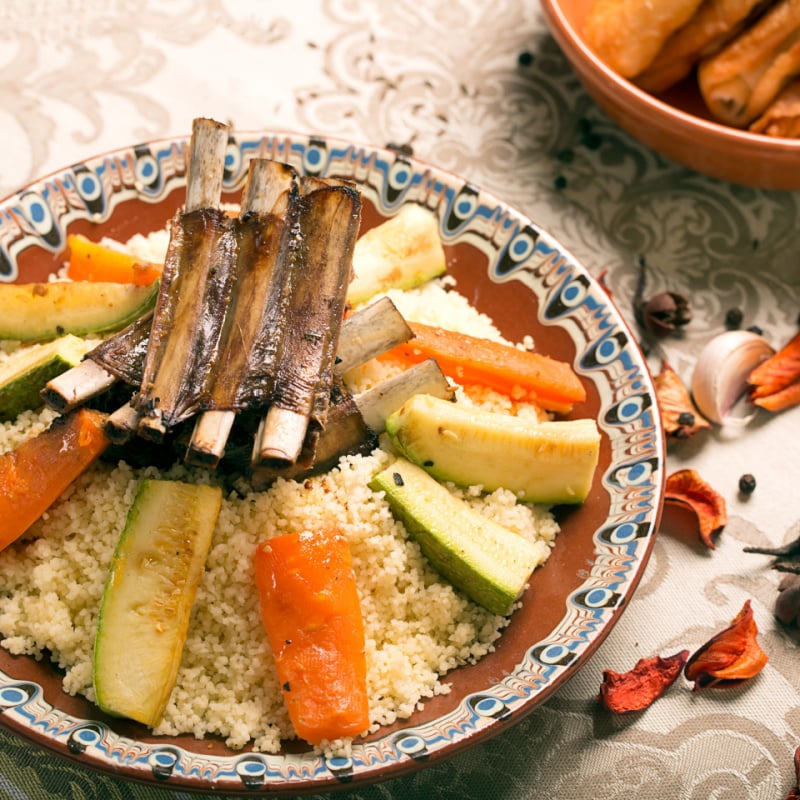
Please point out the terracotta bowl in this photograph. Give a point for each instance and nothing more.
(676, 123)
(507, 267)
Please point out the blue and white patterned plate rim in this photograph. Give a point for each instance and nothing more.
(518, 250)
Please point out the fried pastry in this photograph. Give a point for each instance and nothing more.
(782, 117)
(715, 24)
(740, 81)
(627, 34)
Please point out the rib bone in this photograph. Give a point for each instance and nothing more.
(203, 187)
(320, 271)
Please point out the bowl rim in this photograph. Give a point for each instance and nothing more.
(691, 122)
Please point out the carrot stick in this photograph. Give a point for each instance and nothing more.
(521, 374)
(89, 261)
(33, 476)
(312, 615)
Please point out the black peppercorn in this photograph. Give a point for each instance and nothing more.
(733, 318)
(747, 483)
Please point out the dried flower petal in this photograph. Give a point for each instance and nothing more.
(775, 383)
(729, 658)
(679, 414)
(687, 489)
(624, 692)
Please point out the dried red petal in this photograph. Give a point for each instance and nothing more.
(679, 414)
(778, 401)
(729, 658)
(624, 692)
(687, 489)
(775, 383)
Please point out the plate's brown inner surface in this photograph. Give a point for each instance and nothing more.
(514, 311)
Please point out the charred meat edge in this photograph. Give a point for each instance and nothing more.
(203, 189)
(251, 315)
(196, 285)
(319, 272)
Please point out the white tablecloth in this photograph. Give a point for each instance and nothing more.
(480, 89)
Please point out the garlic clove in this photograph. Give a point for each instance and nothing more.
(719, 381)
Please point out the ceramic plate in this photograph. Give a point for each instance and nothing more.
(675, 123)
(507, 267)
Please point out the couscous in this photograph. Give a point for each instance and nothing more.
(417, 626)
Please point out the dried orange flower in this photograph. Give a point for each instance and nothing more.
(775, 383)
(729, 658)
(680, 416)
(639, 688)
(687, 489)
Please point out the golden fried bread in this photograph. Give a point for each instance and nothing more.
(714, 25)
(627, 34)
(740, 81)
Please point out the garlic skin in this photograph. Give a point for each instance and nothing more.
(720, 376)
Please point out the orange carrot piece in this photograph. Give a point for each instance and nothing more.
(90, 261)
(312, 615)
(470, 360)
(33, 476)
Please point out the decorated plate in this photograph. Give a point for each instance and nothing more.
(530, 285)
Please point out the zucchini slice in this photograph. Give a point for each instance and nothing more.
(147, 601)
(486, 561)
(401, 253)
(549, 462)
(31, 312)
(25, 373)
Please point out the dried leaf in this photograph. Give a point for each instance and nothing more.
(729, 658)
(687, 489)
(625, 692)
(775, 383)
(680, 415)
